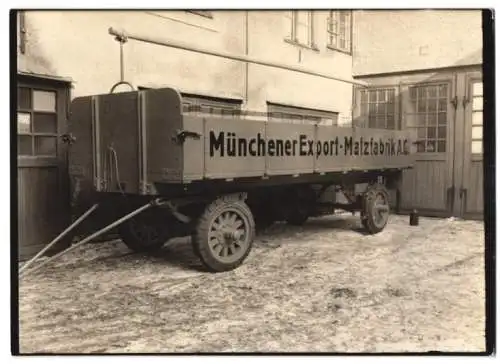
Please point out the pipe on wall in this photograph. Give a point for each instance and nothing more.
(245, 58)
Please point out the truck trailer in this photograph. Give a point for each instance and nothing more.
(142, 166)
(218, 179)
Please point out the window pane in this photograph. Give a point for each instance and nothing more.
(443, 90)
(372, 108)
(24, 145)
(303, 17)
(477, 89)
(431, 119)
(363, 96)
(421, 105)
(477, 118)
(373, 96)
(23, 123)
(421, 92)
(44, 100)
(477, 103)
(45, 123)
(421, 120)
(23, 98)
(431, 146)
(302, 34)
(443, 104)
(390, 122)
(477, 147)
(441, 146)
(431, 133)
(410, 120)
(442, 132)
(477, 132)
(422, 133)
(432, 105)
(390, 108)
(45, 145)
(432, 91)
(421, 146)
(442, 118)
(413, 93)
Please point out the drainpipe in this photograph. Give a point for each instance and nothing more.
(246, 54)
(244, 58)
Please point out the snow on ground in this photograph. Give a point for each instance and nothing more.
(321, 287)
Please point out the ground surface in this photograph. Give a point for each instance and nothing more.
(322, 287)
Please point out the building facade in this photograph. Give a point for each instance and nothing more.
(424, 68)
(66, 54)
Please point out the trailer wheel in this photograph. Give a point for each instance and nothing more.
(143, 236)
(224, 235)
(375, 210)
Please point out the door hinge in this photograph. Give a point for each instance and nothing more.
(454, 102)
(465, 101)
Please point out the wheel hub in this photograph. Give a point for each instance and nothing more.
(228, 235)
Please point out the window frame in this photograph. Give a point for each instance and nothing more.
(330, 32)
(31, 111)
(292, 35)
(365, 116)
(472, 111)
(275, 112)
(424, 141)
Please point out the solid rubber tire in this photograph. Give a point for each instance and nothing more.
(367, 219)
(200, 237)
(137, 245)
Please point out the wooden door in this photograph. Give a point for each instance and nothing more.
(428, 108)
(470, 149)
(43, 195)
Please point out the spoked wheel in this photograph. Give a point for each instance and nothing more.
(141, 235)
(224, 235)
(375, 212)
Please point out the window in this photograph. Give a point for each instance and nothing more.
(200, 104)
(300, 115)
(378, 108)
(339, 30)
(299, 27)
(429, 117)
(204, 13)
(36, 122)
(197, 105)
(477, 118)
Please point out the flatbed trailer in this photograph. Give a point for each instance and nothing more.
(217, 178)
(142, 166)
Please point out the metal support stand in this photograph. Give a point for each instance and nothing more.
(87, 239)
(59, 237)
